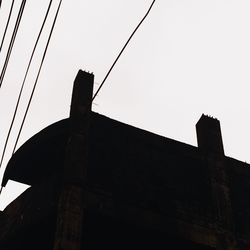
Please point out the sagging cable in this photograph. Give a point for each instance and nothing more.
(122, 50)
(13, 38)
(7, 25)
(23, 83)
(34, 87)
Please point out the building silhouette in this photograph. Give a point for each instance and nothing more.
(97, 183)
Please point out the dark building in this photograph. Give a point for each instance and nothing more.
(97, 183)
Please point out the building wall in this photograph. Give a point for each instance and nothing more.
(139, 189)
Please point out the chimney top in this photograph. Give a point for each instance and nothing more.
(209, 135)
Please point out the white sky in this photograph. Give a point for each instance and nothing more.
(189, 57)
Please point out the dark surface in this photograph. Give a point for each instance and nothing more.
(117, 163)
(132, 172)
(118, 234)
(40, 157)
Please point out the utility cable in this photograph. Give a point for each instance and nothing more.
(34, 87)
(7, 24)
(24, 80)
(124, 47)
(13, 38)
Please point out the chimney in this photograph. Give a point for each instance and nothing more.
(209, 135)
(72, 201)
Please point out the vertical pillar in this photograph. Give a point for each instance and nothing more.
(210, 143)
(71, 203)
(209, 135)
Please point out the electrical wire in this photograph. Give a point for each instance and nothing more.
(24, 80)
(124, 47)
(34, 87)
(7, 24)
(28, 106)
(13, 38)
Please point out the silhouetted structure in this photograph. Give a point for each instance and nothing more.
(101, 184)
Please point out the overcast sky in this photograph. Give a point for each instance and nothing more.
(189, 57)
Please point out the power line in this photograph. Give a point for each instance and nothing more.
(28, 106)
(124, 47)
(13, 38)
(7, 24)
(34, 87)
(24, 80)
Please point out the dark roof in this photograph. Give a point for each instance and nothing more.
(132, 164)
(110, 142)
(132, 171)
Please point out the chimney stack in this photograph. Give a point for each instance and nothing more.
(72, 201)
(209, 135)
